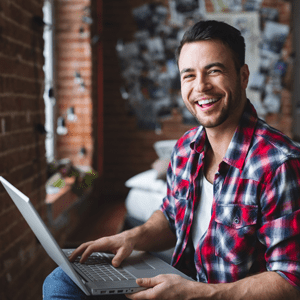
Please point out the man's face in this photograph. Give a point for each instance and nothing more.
(211, 87)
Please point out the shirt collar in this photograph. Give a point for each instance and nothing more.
(241, 140)
(198, 142)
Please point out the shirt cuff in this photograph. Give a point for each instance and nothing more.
(291, 278)
(170, 220)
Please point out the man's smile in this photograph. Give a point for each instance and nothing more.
(208, 102)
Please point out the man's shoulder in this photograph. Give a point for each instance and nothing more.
(271, 140)
(183, 145)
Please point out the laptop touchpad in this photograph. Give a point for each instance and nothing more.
(140, 264)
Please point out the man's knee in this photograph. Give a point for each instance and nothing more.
(58, 285)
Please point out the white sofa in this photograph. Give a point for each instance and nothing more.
(148, 188)
(145, 195)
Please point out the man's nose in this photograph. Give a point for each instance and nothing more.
(202, 84)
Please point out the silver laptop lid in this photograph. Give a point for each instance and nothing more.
(42, 233)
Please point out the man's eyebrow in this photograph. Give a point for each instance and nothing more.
(187, 70)
(215, 64)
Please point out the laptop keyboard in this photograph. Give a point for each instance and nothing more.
(99, 268)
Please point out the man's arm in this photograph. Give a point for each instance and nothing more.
(154, 235)
(264, 286)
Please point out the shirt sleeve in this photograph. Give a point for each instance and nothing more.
(280, 226)
(167, 206)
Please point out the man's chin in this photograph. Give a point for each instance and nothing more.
(212, 123)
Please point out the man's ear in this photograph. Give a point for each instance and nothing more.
(244, 73)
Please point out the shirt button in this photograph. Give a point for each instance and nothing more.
(236, 220)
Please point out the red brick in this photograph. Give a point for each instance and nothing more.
(74, 55)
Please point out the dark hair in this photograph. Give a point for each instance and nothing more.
(215, 30)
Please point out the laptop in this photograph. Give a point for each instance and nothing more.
(97, 276)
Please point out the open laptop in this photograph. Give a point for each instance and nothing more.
(97, 276)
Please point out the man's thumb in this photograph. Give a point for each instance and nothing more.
(145, 282)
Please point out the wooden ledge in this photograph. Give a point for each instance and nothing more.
(59, 202)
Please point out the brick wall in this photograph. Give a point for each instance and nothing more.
(73, 55)
(22, 147)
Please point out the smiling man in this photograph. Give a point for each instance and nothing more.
(232, 207)
(212, 89)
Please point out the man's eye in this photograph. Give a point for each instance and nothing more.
(215, 71)
(188, 76)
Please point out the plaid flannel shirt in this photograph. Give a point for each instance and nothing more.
(255, 221)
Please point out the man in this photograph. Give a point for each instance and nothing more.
(232, 208)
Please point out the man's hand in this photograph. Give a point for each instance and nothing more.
(120, 244)
(163, 287)
(154, 235)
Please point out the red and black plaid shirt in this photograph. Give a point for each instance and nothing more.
(255, 219)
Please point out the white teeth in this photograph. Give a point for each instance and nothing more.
(207, 101)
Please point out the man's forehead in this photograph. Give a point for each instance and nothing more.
(205, 45)
(207, 53)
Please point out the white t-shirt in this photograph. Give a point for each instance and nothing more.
(203, 212)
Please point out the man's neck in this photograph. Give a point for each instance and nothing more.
(219, 139)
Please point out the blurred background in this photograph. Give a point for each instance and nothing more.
(90, 107)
